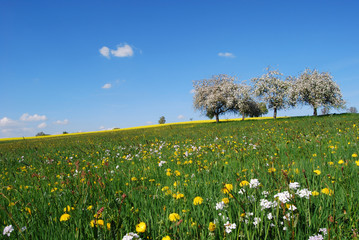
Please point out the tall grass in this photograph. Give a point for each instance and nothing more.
(107, 183)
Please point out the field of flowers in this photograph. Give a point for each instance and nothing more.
(291, 178)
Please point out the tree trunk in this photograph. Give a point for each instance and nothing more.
(217, 118)
(275, 113)
(315, 112)
(243, 117)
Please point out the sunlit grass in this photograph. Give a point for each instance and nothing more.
(291, 178)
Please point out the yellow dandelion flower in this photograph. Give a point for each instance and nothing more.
(133, 179)
(354, 155)
(108, 225)
(174, 217)
(64, 217)
(177, 173)
(225, 200)
(340, 161)
(330, 163)
(244, 183)
(141, 227)
(89, 207)
(212, 227)
(315, 193)
(165, 188)
(327, 191)
(197, 201)
(272, 169)
(318, 172)
(166, 238)
(357, 163)
(227, 188)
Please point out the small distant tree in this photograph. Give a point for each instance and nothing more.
(162, 120)
(41, 134)
(216, 96)
(353, 110)
(273, 89)
(245, 103)
(64, 132)
(318, 90)
(263, 109)
(256, 109)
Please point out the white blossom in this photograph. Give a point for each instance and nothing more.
(265, 204)
(294, 185)
(316, 237)
(254, 183)
(273, 90)
(304, 193)
(220, 205)
(256, 221)
(130, 236)
(318, 90)
(7, 230)
(161, 163)
(229, 227)
(216, 96)
(284, 197)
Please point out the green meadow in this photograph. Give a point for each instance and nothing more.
(289, 178)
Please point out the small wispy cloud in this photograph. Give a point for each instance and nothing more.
(149, 122)
(5, 122)
(123, 50)
(107, 86)
(226, 54)
(105, 51)
(42, 125)
(180, 116)
(64, 122)
(28, 118)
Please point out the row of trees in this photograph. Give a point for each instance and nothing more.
(221, 93)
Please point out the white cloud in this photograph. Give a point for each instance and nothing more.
(26, 117)
(105, 51)
(107, 86)
(180, 116)
(64, 122)
(149, 122)
(226, 55)
(42, 125)
(101, 128)
(124, 51)
(5, 122)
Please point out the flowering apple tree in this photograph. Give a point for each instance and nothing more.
(216, 96)
(318, 90)
(273, 90)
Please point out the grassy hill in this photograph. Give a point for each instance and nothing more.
(289, 178)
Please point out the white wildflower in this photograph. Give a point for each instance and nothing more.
(316, 237)
(7, 230)
(130, 236)
(284, 197)
(161, 163)
(323, 230)
(254, 183)
(229, 227)
(256, 221)
(294, 185)
(304, 193)
(220, 205)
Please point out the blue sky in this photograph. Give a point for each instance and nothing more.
(90, 65)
